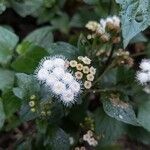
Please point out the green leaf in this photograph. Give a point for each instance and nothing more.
(61, 22)
(120, 110)
(57, 139)
(109, 79)
(6, 79)
(26, 7)
(144, 115)
(62, 48)
(2, 7)
(139, 38)
(27, 86)
(29, 60)
(108, 129)
(8, 41)
(134, 17)
(11, 104)
(42, 37)
(2, 114)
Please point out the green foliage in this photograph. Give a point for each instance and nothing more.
(6, 79)
(115, 107)
(143, 115)
(2, 114)
(135, 18)
(8, 41)
(2, 6)
(120, 110)
(62, 48)
(57, 138)
(28, 61)
(42, 37)
(11, 104)
(26, 7)
(107, 128)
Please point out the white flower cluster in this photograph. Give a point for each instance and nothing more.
(60, 81)
(83, 70)
(111, 22)
(143, 76)
(88, 137)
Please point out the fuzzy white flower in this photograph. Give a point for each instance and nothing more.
(116, 20)
(42, 74)
(68, 97)
(58, 88)
(75, 87)
(61, 83)
(48, 64)
(58, 62)
(51, 80)
(142, 77)
(67, 78)
(58, 72)
(145, 65)
(103, 23)
(109, 19)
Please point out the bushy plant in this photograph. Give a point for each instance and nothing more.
(90, 91)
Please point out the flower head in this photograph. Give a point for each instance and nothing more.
(58, 72)
(67, 78)
(86, 69)
(86, 60)
(90, 77)
(42, 74)
(142, 77)
(48, 64)
(92, 70)
(68, 97)
(87, 84)
(79, 66)
(145, 65)
(78, 75)
(73, 63)
(60, 81)
(92, 25)
(58, 88)
(75, 87)
(59, 62)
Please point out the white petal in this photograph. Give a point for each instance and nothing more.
(67, 78)
(51, 80)
(142, 77)
(48, 64)
(67, 97)
(75, 87)
(58, 88)
(145, 65)
(59, 62)
(42, 74)
(58, 72)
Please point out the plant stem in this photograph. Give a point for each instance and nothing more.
(107, 66)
